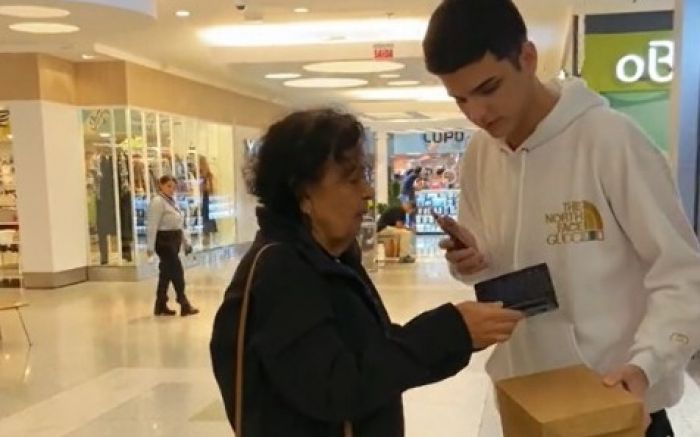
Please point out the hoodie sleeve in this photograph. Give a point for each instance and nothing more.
(645, 201)
(469, 215)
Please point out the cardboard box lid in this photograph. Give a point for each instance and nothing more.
(573, 402)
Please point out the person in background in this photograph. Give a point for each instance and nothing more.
(209, 225)
(393, 223)
(165, 237)
(556, 176)
(408, 185)
(322, 357)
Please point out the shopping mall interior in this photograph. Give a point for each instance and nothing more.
(100, 98)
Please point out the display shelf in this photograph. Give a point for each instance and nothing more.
(443, 202)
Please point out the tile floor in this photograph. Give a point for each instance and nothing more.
(101, 365)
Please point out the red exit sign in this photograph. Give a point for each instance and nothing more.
(383, 52)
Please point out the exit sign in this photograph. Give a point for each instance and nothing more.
(383, 52)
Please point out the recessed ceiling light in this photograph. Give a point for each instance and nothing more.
(390, 76)
(282, 76)
(39, 27)
(33, 12)
(105, 135)
(87, 57)
(182, 13)
(301, 10)
(9, 136)
(423, 94)
(325, 82)
(404, 83)
(315, 32)
(354, 67)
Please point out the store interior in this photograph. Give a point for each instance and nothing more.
(10, 275)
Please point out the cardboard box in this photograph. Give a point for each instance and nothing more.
(569, 402)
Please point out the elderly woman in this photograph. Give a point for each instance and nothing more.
(320, 356)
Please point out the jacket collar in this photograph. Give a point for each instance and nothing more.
(278, 229)
(274, 227)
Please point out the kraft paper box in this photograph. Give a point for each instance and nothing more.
(568, 402)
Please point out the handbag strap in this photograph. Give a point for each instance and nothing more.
(240, 347)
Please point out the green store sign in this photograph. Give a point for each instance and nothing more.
(640, 61)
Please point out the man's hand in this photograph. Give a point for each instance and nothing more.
(634, 380)
(488, 323)
(466, 260)
(188, 249)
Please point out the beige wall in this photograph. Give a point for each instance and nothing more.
(153, 89)
(102, 83)
(56, 80)
(19, 77)
(43, 77)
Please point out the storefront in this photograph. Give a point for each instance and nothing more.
(629, 60)
(127, 150)
(438, 154)
(90, 141)
(10, 275)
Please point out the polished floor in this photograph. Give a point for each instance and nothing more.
(101, 365)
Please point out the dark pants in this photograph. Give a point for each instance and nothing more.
(168, 245)
(660, 425)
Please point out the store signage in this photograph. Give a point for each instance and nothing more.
(444, 137)
(625, 62)
(632, 67)
(249, 145)
(383, 52)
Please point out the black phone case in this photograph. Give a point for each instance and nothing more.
(529, 290)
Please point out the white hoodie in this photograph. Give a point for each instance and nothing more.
(590, 195)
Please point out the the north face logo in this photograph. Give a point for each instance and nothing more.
(580, 222)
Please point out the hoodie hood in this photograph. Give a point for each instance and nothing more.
(575, 99)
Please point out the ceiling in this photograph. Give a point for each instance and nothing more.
(148, 32)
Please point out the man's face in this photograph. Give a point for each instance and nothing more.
(495, 94)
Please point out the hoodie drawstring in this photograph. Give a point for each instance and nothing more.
(519, 217)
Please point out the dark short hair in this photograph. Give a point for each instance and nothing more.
(293, 154)
(464, 31)
(167, 178)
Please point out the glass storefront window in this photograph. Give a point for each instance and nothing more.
(126, 153)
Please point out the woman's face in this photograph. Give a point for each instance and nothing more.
(168, 188)
(337, 203)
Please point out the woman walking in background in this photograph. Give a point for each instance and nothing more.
(166, 236)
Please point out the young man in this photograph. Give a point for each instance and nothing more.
(557, 176)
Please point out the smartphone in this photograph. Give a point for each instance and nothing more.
(529, 290)
(459, 244)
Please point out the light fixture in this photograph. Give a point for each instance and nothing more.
(325, 82)
(354, 67)
(301, 10)
(33, 12)
(9, 136)
(282, 76)
(105, 135)
(183, 13)
(404, 83)
(422, 94)
(44, 28)
(87, 56)
(315, 32)
(390, 76)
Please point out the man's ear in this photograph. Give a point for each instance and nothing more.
(528, 57)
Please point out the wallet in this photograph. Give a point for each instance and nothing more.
(529, 290)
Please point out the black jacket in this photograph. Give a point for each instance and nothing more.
(320, 347)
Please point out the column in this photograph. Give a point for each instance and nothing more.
(51, 197)
(685, 136)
